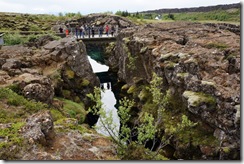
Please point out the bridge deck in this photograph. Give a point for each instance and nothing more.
(91, 39)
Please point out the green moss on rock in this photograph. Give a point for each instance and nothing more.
(66, 124)
(66, 94)
(169, 64)
(143, 95)
(110, 48)
(11, 134)
(74, 110)
(182, 75)
(218, 45)
(126, 40)
(143, 50)
(132, 89)
(56, 114)
(197, 98)
(69, 73)
(226, 149)
(85, 83)
(125, 87)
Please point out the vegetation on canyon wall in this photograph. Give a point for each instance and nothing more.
(148, 127)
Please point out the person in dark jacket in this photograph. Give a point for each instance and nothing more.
(93, 31)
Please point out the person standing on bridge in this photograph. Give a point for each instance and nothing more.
(106, 29)
(112, 30)
(60, 29)
(82, 31)
(93, 31)
(67, 32)
(116, 30)
(89, 31)
(76, 30)
(100, 31)
(86, 30)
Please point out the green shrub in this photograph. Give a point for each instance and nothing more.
(13, 39)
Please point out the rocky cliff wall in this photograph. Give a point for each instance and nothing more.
(48, 72)
(58, 67)
(200, 67)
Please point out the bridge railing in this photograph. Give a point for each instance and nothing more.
(73, 32)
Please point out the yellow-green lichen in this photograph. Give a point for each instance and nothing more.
(85, 83)
(143, 95)
(226, 149)
(110, 48)
(169, 64)
(66, 94)
(126, 40)
(125, 87)
(183, 75)
(69, 73)
(132, 89)
(143, 50)
(207, 83)
(197, 98)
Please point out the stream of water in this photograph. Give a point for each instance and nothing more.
(108, 100)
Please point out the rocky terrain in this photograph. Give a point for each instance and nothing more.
(43, 88)
(56, 73)
(43, 72)
(200, 67)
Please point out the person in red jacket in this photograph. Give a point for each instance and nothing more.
(67, 32)
(106, 29)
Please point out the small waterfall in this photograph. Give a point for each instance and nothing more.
(108, 99)
(97, 67)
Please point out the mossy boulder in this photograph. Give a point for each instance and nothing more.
(197, 100)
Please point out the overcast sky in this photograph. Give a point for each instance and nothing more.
(95, 6)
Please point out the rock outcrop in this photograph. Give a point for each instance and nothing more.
(39, 128)
(45, 140)
(200, 67)
(58, 67)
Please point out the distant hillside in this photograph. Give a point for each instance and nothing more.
(195, 9)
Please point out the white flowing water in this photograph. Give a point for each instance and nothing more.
(108, 100)
(97, 67)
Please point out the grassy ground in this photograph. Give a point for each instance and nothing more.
(231, 16)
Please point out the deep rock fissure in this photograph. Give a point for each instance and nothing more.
(108, 98)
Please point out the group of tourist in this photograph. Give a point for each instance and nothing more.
(82, 31)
